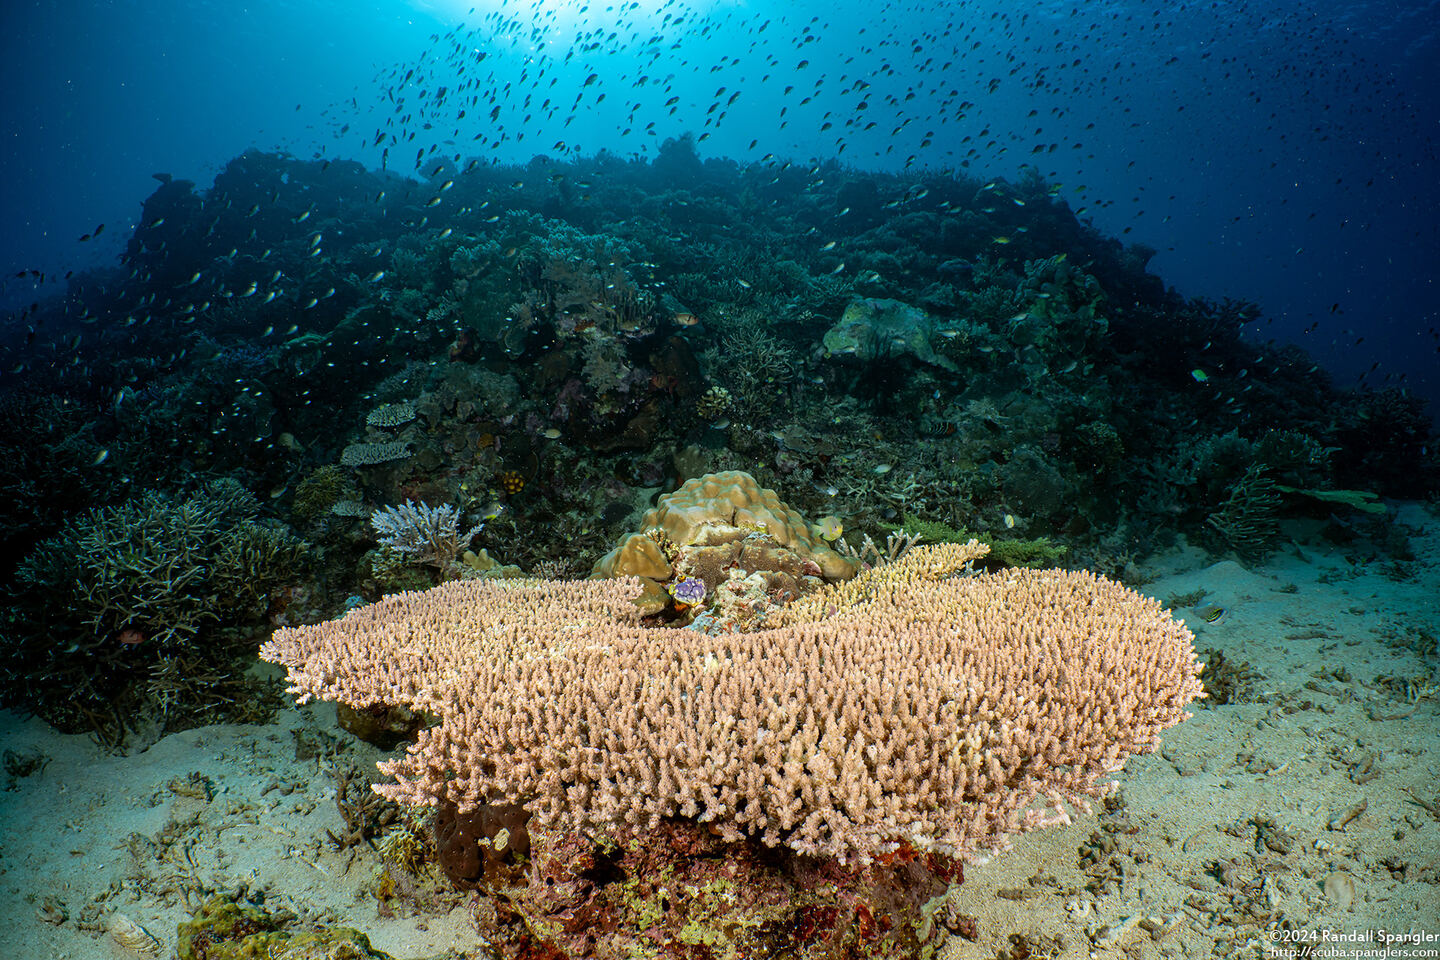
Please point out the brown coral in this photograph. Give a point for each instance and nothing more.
(717, 523)
(907, 709)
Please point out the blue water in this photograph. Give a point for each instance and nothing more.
(1269, 153)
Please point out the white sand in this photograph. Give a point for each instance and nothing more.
(1184, 842)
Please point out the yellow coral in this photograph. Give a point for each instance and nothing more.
(709, 511)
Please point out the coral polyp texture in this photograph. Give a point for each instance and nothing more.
(717, 523)
(906, 708)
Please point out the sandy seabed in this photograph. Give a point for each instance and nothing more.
(1312, 798)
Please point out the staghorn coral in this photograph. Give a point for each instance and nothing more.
(754, 367)
(425, 534)
(1247, 521)
(1020, 687)
(132, 611)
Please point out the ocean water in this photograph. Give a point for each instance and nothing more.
(308, 304)
(1268, 153)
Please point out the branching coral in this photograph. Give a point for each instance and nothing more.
(754, 366)
(1246, 521)
(426, 534)
(133, 610)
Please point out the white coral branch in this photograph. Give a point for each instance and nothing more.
(426, 534)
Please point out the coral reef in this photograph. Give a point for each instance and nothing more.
(144, 612)
(425, 534)
(726, 780)
(226, 929)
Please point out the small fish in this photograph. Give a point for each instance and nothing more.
(743, 284)
(1009, 521)
(268, 297)
(551, 433)
(829, 528)
(1211, 613)
(376, 277)
(883, 468)
(686, 319)
(310, 303)
(446, 232)
(1200, 375)
(100, 458)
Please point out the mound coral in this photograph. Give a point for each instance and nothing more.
(718, 523)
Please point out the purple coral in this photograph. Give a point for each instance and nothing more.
(688, 590)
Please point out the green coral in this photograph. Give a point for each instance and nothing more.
(1036, 552)
(390, 571)
(321, 490)
(1359, 499)
(1294, 457)
(1063, 309)
(144, 605)
(880, 329)
(1009, 552)
(225, 930)
(1248, 520)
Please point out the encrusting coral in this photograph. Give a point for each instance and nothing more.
(908, 706)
